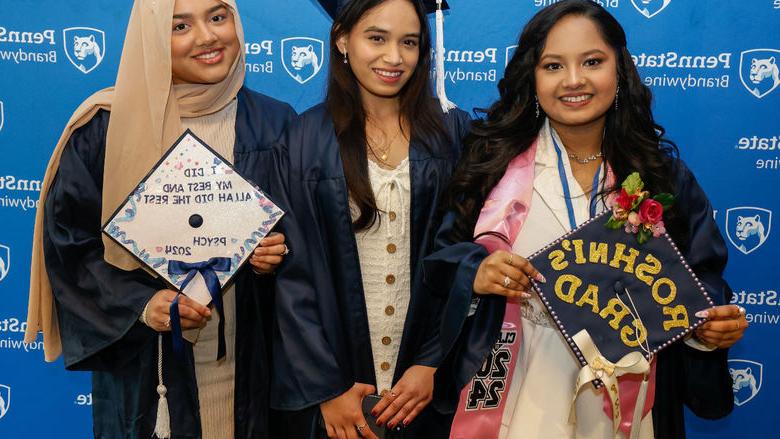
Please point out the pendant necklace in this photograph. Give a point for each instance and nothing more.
(382, 151)
(586, 160)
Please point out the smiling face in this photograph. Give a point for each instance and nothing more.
(576, 77)
(204, 43)
(383, 48)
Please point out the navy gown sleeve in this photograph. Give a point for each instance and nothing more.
(305, 354)
(465, 339)
(98, 305)
(684, 375)
(457, 123)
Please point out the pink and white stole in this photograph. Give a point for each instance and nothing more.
(483, 400)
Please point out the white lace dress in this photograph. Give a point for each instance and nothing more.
(384, 255)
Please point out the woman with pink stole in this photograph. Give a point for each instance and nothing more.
(573, 121)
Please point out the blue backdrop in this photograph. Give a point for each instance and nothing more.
(713, 67)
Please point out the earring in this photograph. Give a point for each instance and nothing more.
(536, 102)
(617, 97)
(345, 58)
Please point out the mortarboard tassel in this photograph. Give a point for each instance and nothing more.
(441, 92)
(162, 427)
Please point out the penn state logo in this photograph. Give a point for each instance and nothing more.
(748, 227)
(84, 47)
(302, 57)
(510, 52)
(759, 71)
(746, 377)
(5, 261)
(5, 400)
(650, 8)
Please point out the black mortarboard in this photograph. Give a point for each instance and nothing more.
(601, 280)
(333, 7)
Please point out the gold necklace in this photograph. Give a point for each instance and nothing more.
(383, 151)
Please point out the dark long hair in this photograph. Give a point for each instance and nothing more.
(418, 108)
(632, 140)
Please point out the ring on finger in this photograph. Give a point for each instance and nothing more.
(361, 427)
(393, 394)
(509, 261)
(506, 282)
(742, 310)
(167, 323)
(286, 250)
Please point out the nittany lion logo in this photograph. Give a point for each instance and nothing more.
(5, 261)
(84, 47)
(748, 227)
(302, 57)
(650, 8)
(5, 400)
(759, 71)
(746, 377)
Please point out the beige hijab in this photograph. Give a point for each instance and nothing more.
(146, 111)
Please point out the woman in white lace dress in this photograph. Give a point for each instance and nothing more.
(367, 169)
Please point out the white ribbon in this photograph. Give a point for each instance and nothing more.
(599, 368)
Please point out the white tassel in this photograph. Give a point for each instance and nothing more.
(441, 92)
(162, 428)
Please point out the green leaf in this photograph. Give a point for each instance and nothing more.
(666, 200)
(634, 206)
(614, 224)
(633, 183)
(643, 235)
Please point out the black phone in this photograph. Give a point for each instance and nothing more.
(369, 401)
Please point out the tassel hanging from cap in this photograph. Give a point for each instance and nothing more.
(162, 427)
(441, 92)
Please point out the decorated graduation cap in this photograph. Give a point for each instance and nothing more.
(335, 7)
(194, 221)
(618, 297)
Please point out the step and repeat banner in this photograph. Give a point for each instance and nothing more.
(714, 67)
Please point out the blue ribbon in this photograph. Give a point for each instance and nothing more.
(208, 270)
(567, 193)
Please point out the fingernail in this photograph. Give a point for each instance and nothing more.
(540, 278)
(390, 425)
(379, 423)
(373, 413)
(406, 423)
(703, 314)
(525, 295)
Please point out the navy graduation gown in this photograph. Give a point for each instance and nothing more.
(322, 345)
(98, 305)
(684, 375)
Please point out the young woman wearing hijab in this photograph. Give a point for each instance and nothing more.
(367, 168)
(182, 67)
(571, 106)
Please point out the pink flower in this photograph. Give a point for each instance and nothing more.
(658, 229)
(651, 211)
(633, 218)
(630, 228)
(624, 200)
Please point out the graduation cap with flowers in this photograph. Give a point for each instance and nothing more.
(619, 289)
